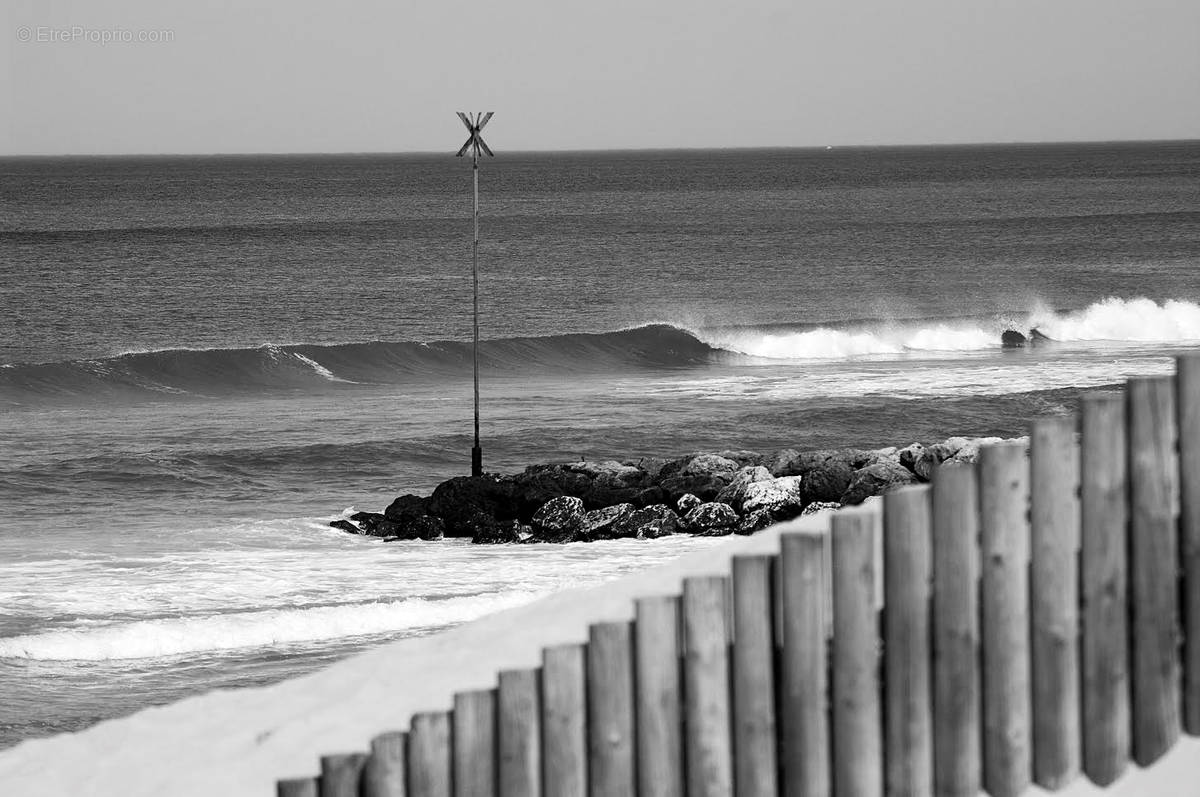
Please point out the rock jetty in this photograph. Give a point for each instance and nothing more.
(707, 494)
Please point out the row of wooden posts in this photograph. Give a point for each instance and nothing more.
(1023, 620)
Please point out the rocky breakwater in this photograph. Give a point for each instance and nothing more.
(710, 494)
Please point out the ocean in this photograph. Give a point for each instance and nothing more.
(204, 360)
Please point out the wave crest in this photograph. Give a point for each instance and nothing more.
(145, 639)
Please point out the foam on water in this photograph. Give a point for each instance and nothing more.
(1138, 320)
(183, 635)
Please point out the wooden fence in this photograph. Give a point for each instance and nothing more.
(1025, 620)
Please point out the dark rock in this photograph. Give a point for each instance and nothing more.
(500, 533)
(610, 488)
(560, 520)
(929, 460)
(825, 478)
(651, 496)
(687, 502)
(785, 462)
(346, 526)
(457, 500)
(710, 465)
(368, 522)
(712, 519)
(407, 506)
(1012, 339)
(651, 466)
(874, 480)
(606, 523)
(542, 483)
(756, 521)
(735, 492)
(910, 455)
(782, 497)
(704, 486)
(651, 522)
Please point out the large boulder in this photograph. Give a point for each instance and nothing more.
(560, 520)
(706, 486)
(710, 465)
(648, 523)
(407, 506)
(620, 485)
(735, 492)
(687, 502)
(910, 455)
(457, 500)
(541, 483)
(782, 497)
(650, 466)
(345, 525)
(713, 519)
(606, 523)
(785, 462)
(369, 522)
(826, 475)
(875, 479)
(929, 459)
(756, 521)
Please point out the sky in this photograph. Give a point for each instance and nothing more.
(225, 76)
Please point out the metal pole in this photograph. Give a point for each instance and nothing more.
(477, 451)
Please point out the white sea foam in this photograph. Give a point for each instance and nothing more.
(1136, 320)
(145, 639)
(1117, 320)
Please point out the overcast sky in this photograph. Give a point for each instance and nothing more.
(387, 75)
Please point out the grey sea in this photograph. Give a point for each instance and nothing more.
(204, 360)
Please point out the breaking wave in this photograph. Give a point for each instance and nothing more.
(145, 639)
(1112, 320)
(210, 372)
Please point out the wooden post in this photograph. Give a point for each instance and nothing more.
(384, 773)
(755, 763)
(1188, 408)
(297, 787)
(430, 769)
(340, 774)
(956, 690)
(857, 736)
(659, 716)
(1154, 567)
(804, 703)
(706, 684)
(475, 744)
(1054, 491)
(1004, 538)
(908, 566)
(1104, 651)
(564, 721)
(519, 732)
(610, 710)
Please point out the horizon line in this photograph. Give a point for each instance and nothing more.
(597, 150)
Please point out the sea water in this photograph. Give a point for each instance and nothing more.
(205, 360)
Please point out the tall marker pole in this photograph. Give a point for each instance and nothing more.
(475, 143)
